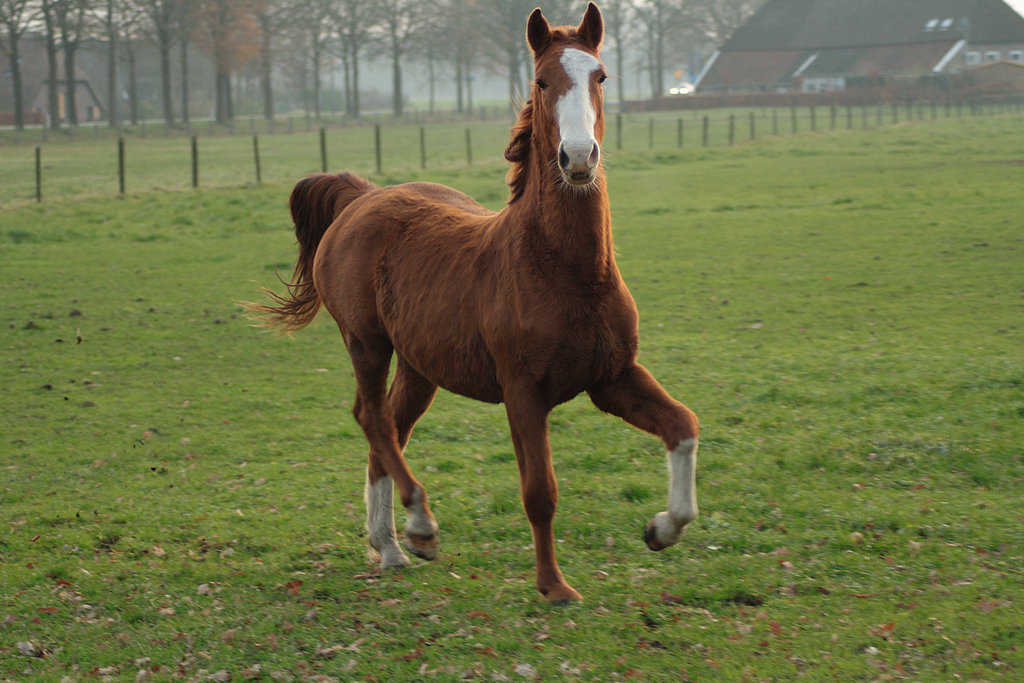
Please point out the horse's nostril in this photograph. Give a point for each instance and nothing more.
(563, 158)
(595, 156)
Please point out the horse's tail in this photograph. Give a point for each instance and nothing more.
(315, 202)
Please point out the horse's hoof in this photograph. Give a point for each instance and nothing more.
(655, 535)
(390, 559)
(423, 547)
(562, 595)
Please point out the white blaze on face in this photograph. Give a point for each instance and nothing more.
(575, 110)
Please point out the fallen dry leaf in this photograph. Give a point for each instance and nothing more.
(525, 670)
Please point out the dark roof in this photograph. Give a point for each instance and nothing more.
(777, 68)
(817, 24)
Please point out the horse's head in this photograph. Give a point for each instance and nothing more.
(568, 100)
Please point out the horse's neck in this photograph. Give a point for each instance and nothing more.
(569, 231)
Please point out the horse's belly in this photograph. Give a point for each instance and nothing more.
(458, 367)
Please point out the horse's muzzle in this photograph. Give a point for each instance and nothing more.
(578, 161)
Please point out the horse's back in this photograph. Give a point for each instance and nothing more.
(446, 196)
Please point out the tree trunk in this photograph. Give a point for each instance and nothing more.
(112, 113)
(458, 84)
(619, 69)
(165, 80)
(396, 81)
(19, 98)
(229, 97)
(317, 86)
(431, 80)
(515, 77)
(52, 72)
(133, 88)
(184, 82)
(355, 84)
(348, 83)
(266, 69)
(221, 106)
(71, 102)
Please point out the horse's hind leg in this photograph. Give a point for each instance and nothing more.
(410, 396)
(636, 397)
(386, 422)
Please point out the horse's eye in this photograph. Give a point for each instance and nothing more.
(541, 84)
(602, 79)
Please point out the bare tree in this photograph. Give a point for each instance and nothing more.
(188, 26)
(274, 16)
(400, 20)
(659, 19)
(433, 42)
(51, 40)
(161, 27)
(463, 19)
(72, 17)
(353, 19)
(617, 18)
(315, 21)
(115, 18)
(719, 18)
(229, 34)
(16, 16)
(506, 26)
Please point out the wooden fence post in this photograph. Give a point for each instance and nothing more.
(39, 172)
(732, 128)
(256, 156)
(469, 147)
(195, 161)
(376, 147)
(679, 133)
(423, 148)
(120, 164)
(704, 134)
(618, 132)
(323, 149)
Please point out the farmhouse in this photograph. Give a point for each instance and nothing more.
(829, 45)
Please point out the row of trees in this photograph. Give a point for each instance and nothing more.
(454, 37)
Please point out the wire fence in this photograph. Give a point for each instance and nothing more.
(104, 161)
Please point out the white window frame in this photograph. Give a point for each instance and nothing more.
(991, 56)
(1017, 56)
(972, 58)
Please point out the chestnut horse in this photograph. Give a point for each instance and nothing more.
(524, 307)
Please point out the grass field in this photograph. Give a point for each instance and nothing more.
(181, 493)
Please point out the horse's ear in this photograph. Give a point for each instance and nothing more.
(538, 33)
(591, 29)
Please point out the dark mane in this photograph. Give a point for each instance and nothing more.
(518, 151)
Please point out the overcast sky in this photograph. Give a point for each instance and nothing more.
(1017, 5)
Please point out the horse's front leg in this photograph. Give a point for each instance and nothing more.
(527, 419)
(636, 397)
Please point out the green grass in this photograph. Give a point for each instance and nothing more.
(182, 492)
